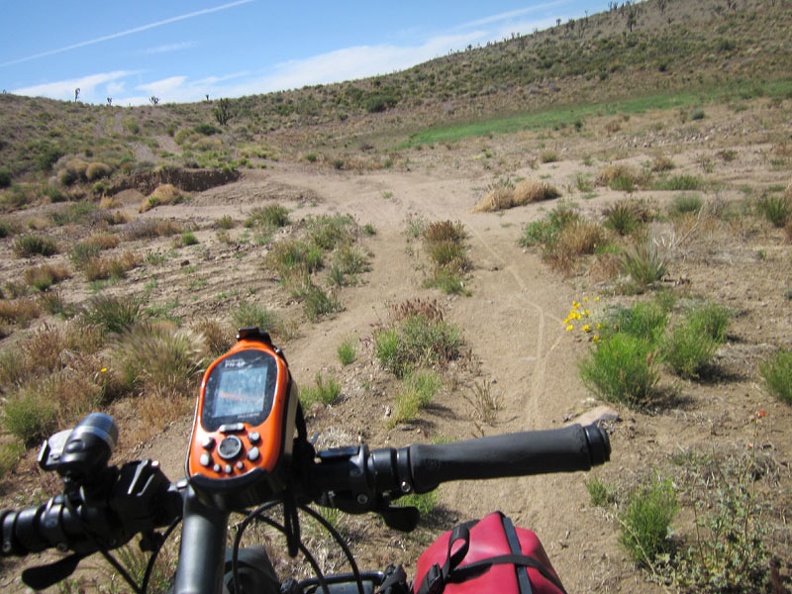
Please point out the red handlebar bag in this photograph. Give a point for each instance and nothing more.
(487, 556)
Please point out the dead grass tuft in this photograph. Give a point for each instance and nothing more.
(162, 195)
(524, 192)
(429, 309)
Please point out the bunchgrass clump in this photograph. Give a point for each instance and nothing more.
(27, 246)
(686, 204)
(113, 314)
(646, 523)
(318, 303)
(545, 231)
(44, 276)
(776, 208)
(159, 358)
(600, 492)
(687, 351)
(621, 368)
(273, 216)
(484, 401)
(253, 315)
(678, 183)
(644, 320)
(416, 392)
(417, 337)
(645, 263)
(625, 217)
(347, 352)
(445, 246)
(326, 391)
(777, 374)
(507, 195)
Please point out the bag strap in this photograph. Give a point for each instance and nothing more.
(437, 577)
(523, 583)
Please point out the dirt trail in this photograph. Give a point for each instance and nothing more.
(512, 322)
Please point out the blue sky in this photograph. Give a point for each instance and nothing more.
(182, 50)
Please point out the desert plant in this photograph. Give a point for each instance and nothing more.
(600, 492)
(44, 276)
(484, 401)
(162, 195)
(188, 238)
(645, 264)
(687, 350)
(625, 217)
(112, 314)
(415, 393)
(643, 320)
(272, 215)
(29, 415)
(776, 208)
(318, 303)
(27, 246)
(416, 341)
(710, 319)
(252, 315)
(159, 358)
(346, 352)
(683, 182)
(621, 368)
(545, 231)
(10, 454)
(646, 523)
(685, 203)
(325, 392)
(777, 374)
(290, 255)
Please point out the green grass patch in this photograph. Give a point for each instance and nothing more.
(777, 374)
(646, 523)
(325, 391)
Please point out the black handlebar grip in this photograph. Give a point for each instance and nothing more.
(569, 449)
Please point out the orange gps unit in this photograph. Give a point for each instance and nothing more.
(244, 425)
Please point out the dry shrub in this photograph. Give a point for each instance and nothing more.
(102, 241)
(42, 350)
(44, 276)
(428, 309)
(662, 163)
(151, 228)
(159, 358)
(613, 172)
(526, 191)
(163, 194)
(73, 171)
(531, 190)
(218, 336)
(103, 268)
(19, 311)
(97, 170)
(498, 198)
(581, 237)
(613, 126)
(442, 231)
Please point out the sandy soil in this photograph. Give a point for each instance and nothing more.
(512, 323)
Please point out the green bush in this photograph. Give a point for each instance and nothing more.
(600, 492)
(326, 392)
(711, 320)
(681, 182)
(31, 245)
(687, 350)
(5, 178)
(777, 209)
(10, 454)
(621, 368)
(30, 415)
(417, 391)
(112, 314)
(346, 352)
(272, 215)
(646, 523)
(251, 315)
(644, 263)
(416, 341)
(777, 373)
(317, 303)
(686, 203)
(644, 320)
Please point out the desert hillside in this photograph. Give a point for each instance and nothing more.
(590, 222)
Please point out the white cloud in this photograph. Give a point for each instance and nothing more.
(169, 48)
(93, 88)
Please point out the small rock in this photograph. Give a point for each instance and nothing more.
(595, 415)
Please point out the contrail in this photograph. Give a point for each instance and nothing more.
(175, 19)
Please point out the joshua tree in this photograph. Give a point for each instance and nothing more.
(76, 94)
(222, 112)
(110, 101)
(154, 100)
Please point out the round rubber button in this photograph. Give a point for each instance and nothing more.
(230, 447)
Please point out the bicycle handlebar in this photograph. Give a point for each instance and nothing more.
(138, 498)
